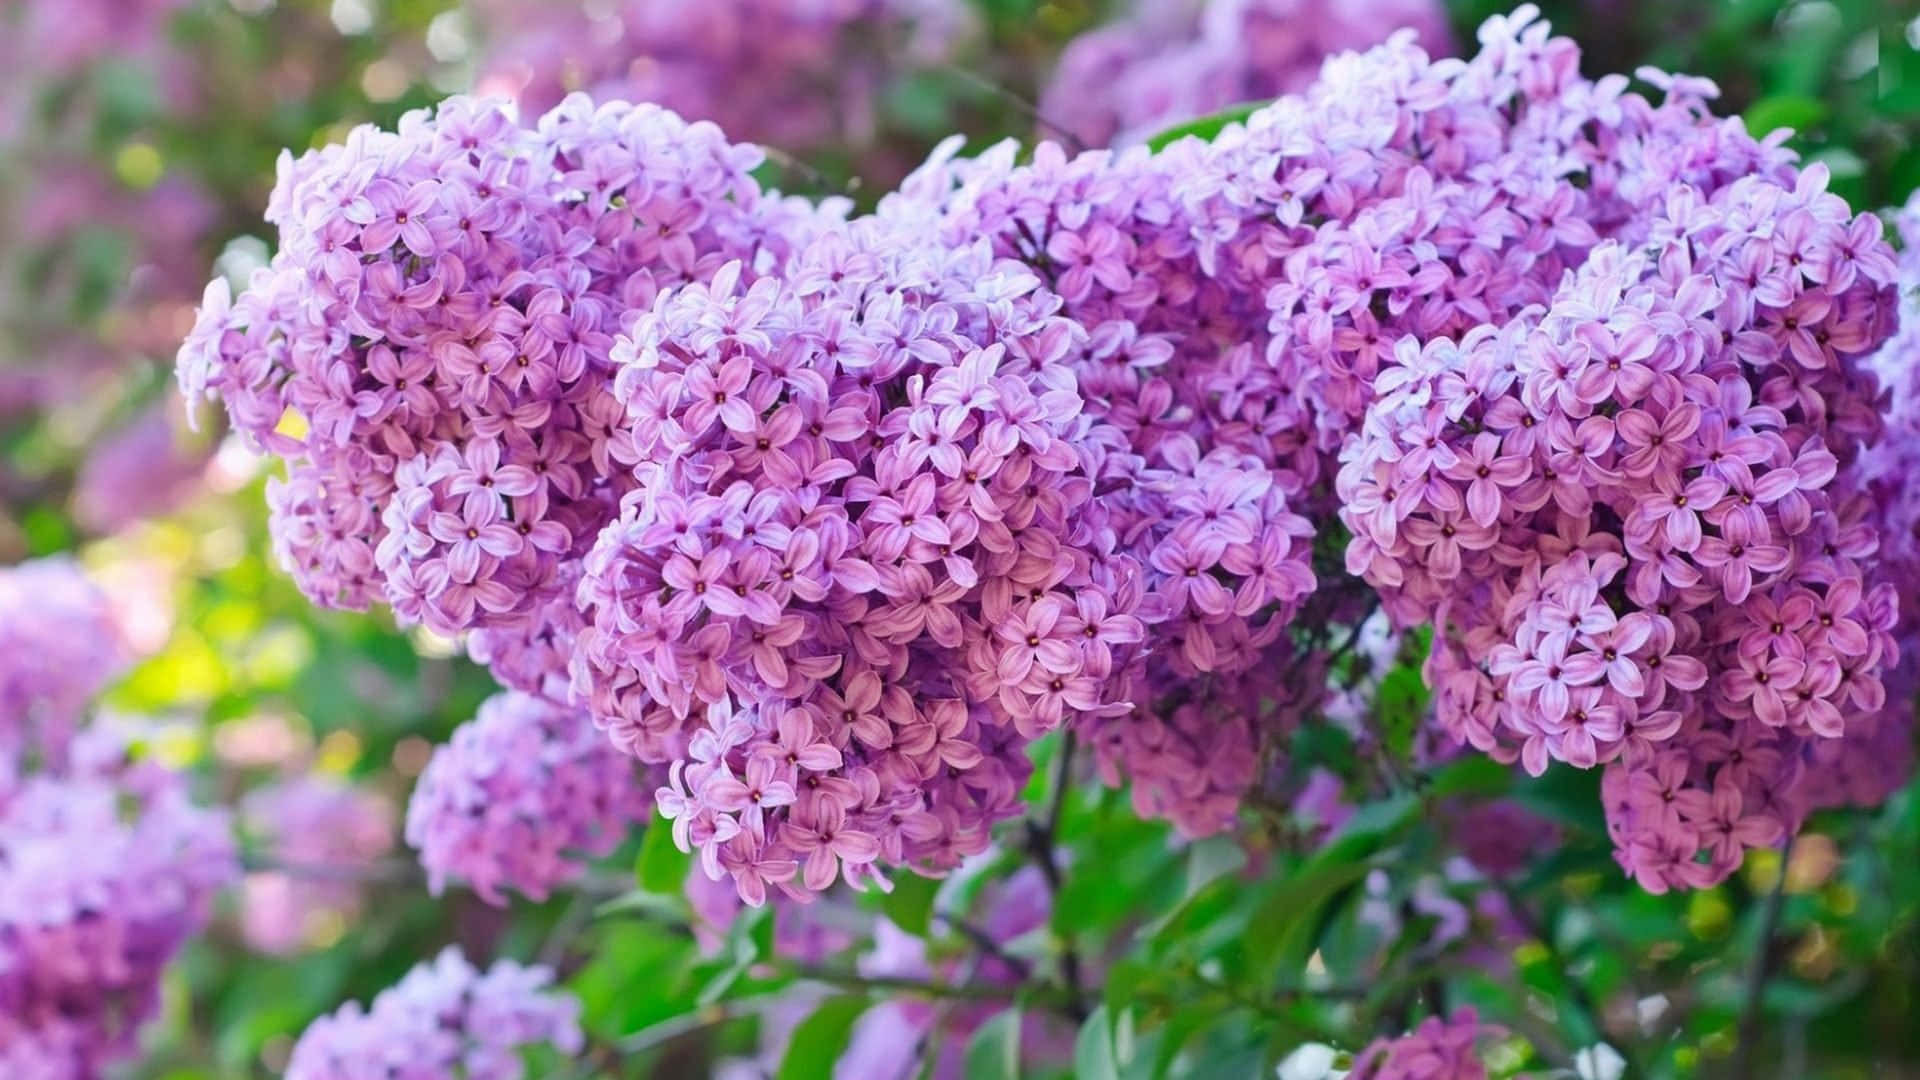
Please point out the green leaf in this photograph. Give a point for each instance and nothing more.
(910, 905)
(994, 1051)
(819, 1039)
(1474, 774)
(1295, 908)
(662, 866)
(1769, 114)
(1093, 1049)
(1206, 127)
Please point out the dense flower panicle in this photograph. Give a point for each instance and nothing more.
(1436, 1050)
(827, 63)
(429, 347)
(864, 565)
(1168, 61)
(320, 831)
(59, 646)
(1622, 512)
(445, 1021)
(1876, 756)
(106, 869)
(519, 797)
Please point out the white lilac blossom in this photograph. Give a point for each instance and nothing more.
(519, 797)
(444, 1021)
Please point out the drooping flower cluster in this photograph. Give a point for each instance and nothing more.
(59, 646)
(444, 1021)
(322, 832)
(865, 564)
(519, 796)
(1168, 61)
(1621, 512)
(1436, 1050)
(801, 76)
(428, 349)
(106, 869)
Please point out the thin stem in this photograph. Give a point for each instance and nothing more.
(1029, 109)
(1760, 970)
(1041, 836)
(984, 942)
(927, 988)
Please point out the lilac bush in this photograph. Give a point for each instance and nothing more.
(831, 517)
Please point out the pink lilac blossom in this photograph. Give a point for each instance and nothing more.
(520, 797)
(444, 1021)
(321, 830)
(864, 565)
(804, 75)
(429, 348)
(1169, 61)
(59, 646)
(106, 869)
(1439, 1049)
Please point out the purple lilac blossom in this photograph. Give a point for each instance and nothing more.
(320, 830)
(1621, 508)
(519, 797)
(106, 869)
(429, 348)
(443, 1021)
(865, 565)
(1169, 61)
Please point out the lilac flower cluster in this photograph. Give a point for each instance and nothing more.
(59, 646)
(827, 65)
(106, 869)
(1621, 512)
(863, 567)
(320, 830)
(1168, 61)
(445, 1021)
(1439, 1049)
(518, 796)
(428, 349)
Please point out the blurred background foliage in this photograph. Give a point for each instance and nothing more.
(126, 176)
